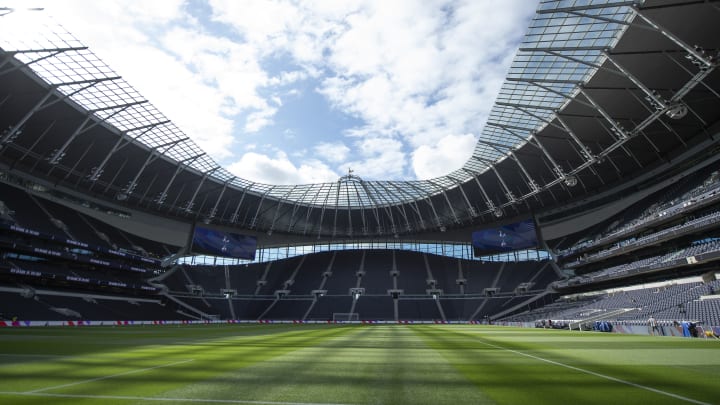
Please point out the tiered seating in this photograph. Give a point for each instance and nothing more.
(213, 277)
(683, 196)
(251, 308)
(326, 306)
(445, 273)
(460, 309)
(13, 305)
(710, 219)
(409, 309)
(669, 303)
(48, 307)
(344, 268)
(480, 275)
(556, 310)
(244, 278)
(650, 263)
(279, 273)
(309, 276)
(27, 213)
(288, 308)
(77, 227)
(35, 213)
(377, 279)
(375, 303)
(413, 275)
(375, 308)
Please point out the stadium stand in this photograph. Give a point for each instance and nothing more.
(613, 158)
(671, 303)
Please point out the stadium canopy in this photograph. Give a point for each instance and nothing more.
(599, 91)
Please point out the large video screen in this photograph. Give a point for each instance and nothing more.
(218, 243)
(505, 238)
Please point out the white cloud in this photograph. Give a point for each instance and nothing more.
(258, 120)
(412, 70)
(449, 154)
(335, 152)
(382, 158)
(280, 170)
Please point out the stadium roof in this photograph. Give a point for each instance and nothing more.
(598, 91)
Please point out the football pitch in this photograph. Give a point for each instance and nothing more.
(352, 364)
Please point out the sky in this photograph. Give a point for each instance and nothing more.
(295, 92)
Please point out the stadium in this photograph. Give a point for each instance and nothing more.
(572, 258)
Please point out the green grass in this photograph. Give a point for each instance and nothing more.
(328, 364)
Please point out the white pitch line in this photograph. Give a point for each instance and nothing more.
(607, 377)
(162, 399)
(106, 377)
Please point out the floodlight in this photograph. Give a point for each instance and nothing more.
(677, 111)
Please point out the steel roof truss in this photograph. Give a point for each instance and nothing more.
(213, 211)
(585, 152)
(189, 206)
(702, 60)
(556, 168)
(152, 156)
(51, 53)
(162, 196)
(447, 200)
(119, 144)
(13, 133)
(413, 205)
(277, 210)
(471, 209)
(37, 141)
(588, 6)
(534, 187)
(234, 218)
(428, 200)
(77, 161)
(115, 175)
(322, 215)
(488, 202)
(651, 96)
(253, 222)
(375, 203)
(618, 132)
(60, 153)
(689, 72)
(403, 211)
(508, 193)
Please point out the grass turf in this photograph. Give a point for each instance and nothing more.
(328, 364)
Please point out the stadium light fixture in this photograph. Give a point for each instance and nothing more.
(677, 111)
(571, 181)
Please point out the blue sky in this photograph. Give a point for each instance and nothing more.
(287, 92)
